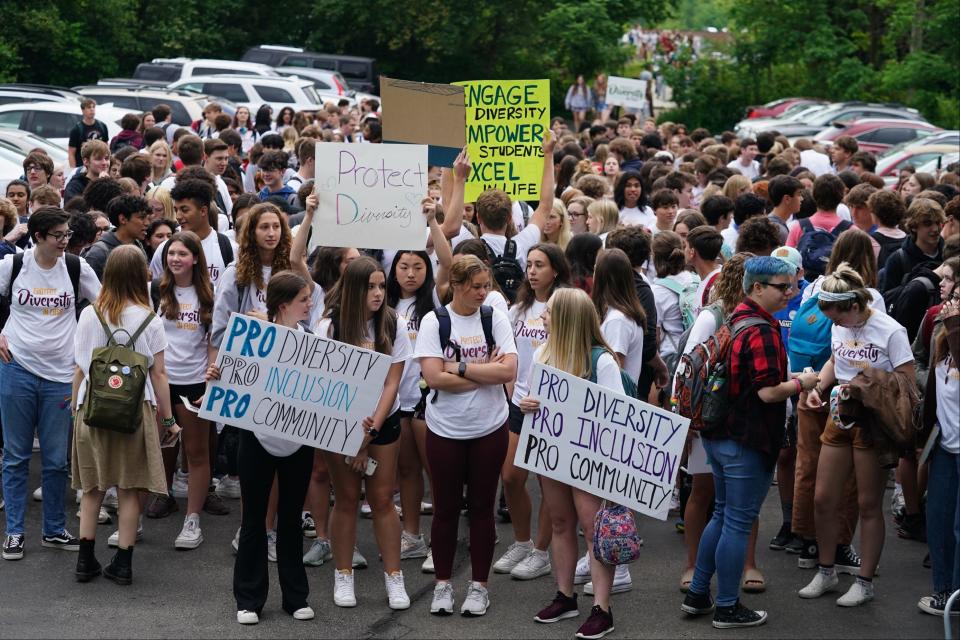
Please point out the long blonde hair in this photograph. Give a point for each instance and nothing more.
(606, 211)
(162, 196)
(564, 234)
(574, 331)
(122, 286)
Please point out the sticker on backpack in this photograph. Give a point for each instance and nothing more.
(115, 382)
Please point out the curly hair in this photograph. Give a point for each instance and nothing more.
(728, 288)
(249, 267)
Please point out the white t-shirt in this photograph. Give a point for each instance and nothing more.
(669, 315)
(402, 350)
(170, 182)
(751, 171)
(818, 163)
(880, 344)
(471, 414)
(211, 253)
(275, 445)
(625, 337)
(634, 216)
(877, 303)
(187, 339)
(529, 333)
(496, 300)
(701, 290)
(90, 335)
(608, 371)
(524, 240)
(730, 236)
(42, 321)
(948, 404)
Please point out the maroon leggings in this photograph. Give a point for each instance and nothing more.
(475, 463)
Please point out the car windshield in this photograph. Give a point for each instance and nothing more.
(311, 94)
(56, 153)
(945, 160)
(804, 112)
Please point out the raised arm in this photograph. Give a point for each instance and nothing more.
(539, 217)
(453, 208)
(441, 246)
(298, 250)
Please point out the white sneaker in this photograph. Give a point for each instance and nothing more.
(359, 562)
(675, 500)
(582, 574)
(272, 545)
(236, 541)
(247, 617)
(178, 488)
(190, 535)
(477, 601)
(426, 508)
(860, 592)
(79, 496)
(38, 494)
(536, 564)
(515, 553)
(114, 539)
(622, 581)
(412, 546)
(110, 500)
(318, 553)
(442, 604)
(343, 595)
(365, 510)
(825, 580)
(229, 488)
(427, 566)
(303, 613)
(397, 596)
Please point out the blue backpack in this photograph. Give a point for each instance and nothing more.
(629, 385)
(816, 244)
(810, 333)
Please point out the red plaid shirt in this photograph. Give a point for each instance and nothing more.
(758, 359)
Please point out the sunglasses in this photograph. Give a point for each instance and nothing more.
(784, 287)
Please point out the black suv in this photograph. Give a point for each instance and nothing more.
(360, 73)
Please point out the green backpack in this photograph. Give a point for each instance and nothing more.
(116, 382)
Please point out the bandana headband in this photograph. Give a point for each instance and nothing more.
(828, 296)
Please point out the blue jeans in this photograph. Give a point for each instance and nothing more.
(741, 482)
(943, 519)
(29, 403)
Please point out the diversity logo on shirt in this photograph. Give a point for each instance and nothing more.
(860, 355)
(188, 318)
(52, 301)
(470, 348)
(531, 329)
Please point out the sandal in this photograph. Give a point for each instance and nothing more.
(685, 580)
(753, 581)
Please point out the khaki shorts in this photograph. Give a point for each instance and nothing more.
(856, 436)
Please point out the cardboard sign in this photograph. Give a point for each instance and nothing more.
(506, 120)
(294, 385)
(425, 113)
(627, 92)
(370, 196)
(602, 442)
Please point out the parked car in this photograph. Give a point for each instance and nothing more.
(24, 142)
(23, 92)
(11, 167)
(843, 111)
(172, 69)
(326, 82)
(890, 164)
(360, 72)
(777, 107)
(876, 134)
(54, 120)
(254, 91)
(795, 113)
(185, 106)
(940, 163)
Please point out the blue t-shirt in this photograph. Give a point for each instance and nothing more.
(785, 315)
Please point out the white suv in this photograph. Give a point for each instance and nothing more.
(254, 91)
(171, 69)
(54, 120)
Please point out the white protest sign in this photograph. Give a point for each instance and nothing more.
(627, 92)
(602, 442)
(370, 196)
(294, 385)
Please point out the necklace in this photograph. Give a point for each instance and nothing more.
(858, 329)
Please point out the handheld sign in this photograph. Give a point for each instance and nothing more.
(506, 120)
(424, 113)
(602, 442)
(627, 92)
(294, 385)
(370, 196)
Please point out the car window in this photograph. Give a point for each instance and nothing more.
(273, 94)
(13, 99)
(49, 124)
(261, 56)
(312, 95)
(121, 101)
(156, 72)
(324, 63)
(891, 135)
(297, 61)
(11, 119)
(228, 90)
(321, 85)
(353, 69)
(179, 112)
(917, 159)
(206, 71)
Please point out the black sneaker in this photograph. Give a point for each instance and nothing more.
(936, 604)
(912, 527)
(561, 608)
(697, 604)
(847, 561)
(62, 540)
(926, 561)
(737, 616)
(599, 624)
(13, 547)
(795, 546)
(502, 510)
(783, 537)
(810, 555)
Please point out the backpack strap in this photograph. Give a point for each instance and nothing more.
(525, 209)
(140, 329)
(493, 254)
(14, 272)
(842, 226)
(486, 322)
(806, 226)
(226, 249)
(595, 353)
(106, 329)
(717, 311)
(444, 326)
(510, 250)
(73, 270)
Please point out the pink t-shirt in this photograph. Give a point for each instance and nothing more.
(820, 219)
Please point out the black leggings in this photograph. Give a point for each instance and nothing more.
(257, 471)
(475, 463)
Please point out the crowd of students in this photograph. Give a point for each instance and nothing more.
(647, 240)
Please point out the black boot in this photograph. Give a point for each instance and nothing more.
(120, 569)
(87, 566)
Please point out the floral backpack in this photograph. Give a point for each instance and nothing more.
(615, 537)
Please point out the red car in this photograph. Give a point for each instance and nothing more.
(777, 107)
(877, 134)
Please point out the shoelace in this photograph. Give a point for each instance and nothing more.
(16, 539)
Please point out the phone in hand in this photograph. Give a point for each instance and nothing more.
(371, 464)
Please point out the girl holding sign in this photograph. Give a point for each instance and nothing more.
(547, 270)
(357, 314)
(466, 416)
(266, 461)
(573, 330)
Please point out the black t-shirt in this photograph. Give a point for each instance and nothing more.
(83, 132)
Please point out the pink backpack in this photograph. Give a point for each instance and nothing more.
(615, 537)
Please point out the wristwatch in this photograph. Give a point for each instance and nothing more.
(462, 369)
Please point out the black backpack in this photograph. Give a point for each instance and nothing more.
(73, 269)
(443, 319)
(506, 269)
(892, 298)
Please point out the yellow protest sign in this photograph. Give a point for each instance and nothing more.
(506, 120)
